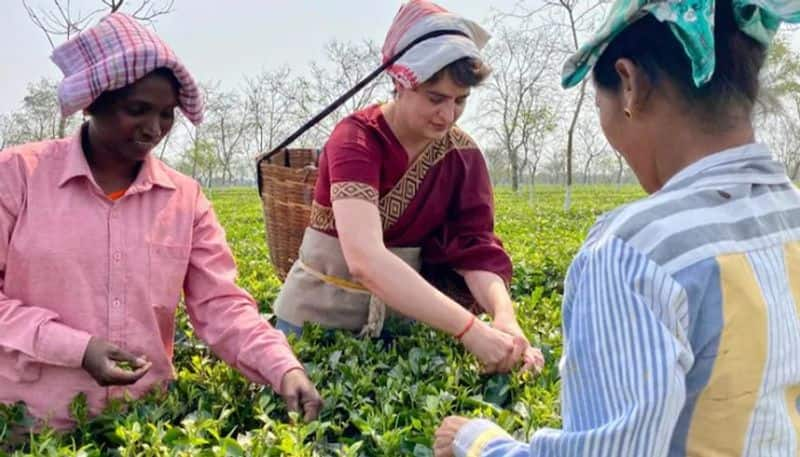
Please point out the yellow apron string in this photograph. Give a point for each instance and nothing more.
(377, 309)
(341, 283)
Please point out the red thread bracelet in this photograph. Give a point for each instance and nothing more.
(466, 329)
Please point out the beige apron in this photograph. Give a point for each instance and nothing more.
(319, 288)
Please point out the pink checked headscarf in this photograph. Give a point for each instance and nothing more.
(423, 60)
(117, 52)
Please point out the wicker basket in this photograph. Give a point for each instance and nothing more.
(288, 180)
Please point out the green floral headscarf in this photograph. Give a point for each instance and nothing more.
(692, 22)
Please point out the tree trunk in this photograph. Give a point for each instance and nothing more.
(586, 170)
(532, 189)
(62, 126)
(796, 170)
(512, 155)
(570, 142)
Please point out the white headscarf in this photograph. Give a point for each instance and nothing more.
(417, 18)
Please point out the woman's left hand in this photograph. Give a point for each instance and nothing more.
(300, 394)
(446, 434)
(532, 357)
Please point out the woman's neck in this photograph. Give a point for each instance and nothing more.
(684, 146)
(412, 142)
(109, 173)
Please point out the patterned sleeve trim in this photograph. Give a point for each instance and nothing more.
(354, 190)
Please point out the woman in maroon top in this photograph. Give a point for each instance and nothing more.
(403, 207)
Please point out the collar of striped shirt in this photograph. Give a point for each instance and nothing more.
(751, 163)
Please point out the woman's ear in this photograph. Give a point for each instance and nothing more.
(635, 86)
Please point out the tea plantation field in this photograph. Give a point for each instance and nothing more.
(382, 397)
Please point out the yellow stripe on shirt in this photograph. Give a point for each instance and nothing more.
(491, 433)
(725, 407)
(792, 254)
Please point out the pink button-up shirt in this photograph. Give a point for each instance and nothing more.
(74, 264)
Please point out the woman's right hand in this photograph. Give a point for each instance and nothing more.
(498, 352)
(102, 361)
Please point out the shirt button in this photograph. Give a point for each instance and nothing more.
(116, 303)
(117, 256)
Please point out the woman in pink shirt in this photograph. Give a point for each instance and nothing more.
(98, 238)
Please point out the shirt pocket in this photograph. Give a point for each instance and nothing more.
(167, 267)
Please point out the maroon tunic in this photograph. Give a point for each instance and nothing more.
(441, 202)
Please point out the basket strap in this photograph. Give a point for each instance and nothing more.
(341, 100)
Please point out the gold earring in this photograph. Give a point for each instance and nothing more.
(628, 113)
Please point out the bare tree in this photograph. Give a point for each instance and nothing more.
(620, 168)
(345, 65)
(516, 113)
(61, 21)
(215, 146)
(555, 165)
(224, 126)
(785, 143)
(593, 145)
(8, 134)
(779, 126)
(569, 21)
(199, 161)
(576, 17)
(41, 113)
(533, 148)
(271, 107)
(39, 117)
(497, 162)
(604, 167)
(780, 77)
(778, 115)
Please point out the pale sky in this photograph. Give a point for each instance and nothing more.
(221, 40)
(225, 40)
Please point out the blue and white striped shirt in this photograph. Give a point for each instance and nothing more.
(681, 323)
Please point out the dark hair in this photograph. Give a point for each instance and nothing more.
(732, 91)
(108, 98)
(466, 72)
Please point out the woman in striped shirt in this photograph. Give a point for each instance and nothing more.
(681, 313)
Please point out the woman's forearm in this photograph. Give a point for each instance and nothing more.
(386, 275)
(405, 291)
(490, 292)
